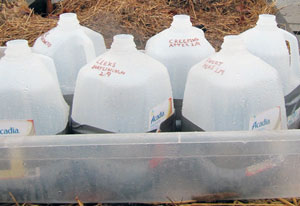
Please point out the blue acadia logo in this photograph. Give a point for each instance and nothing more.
(157, 117)
(11, 130)
(257, 125)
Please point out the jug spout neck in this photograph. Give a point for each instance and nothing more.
(181, 22)
(232, 44)
(68, 21)
(266, 21)
(123, 43)
(17, 48)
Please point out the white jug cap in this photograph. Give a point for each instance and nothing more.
(123, 42)
(181, 21)
(17, 48)
(266, 20)
(68, 20)
(233, 43)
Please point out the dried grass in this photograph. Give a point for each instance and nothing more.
(142, 18)
(220, 202)
(216, 202)
(17, 21)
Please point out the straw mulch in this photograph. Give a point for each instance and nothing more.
(262, 202)
(142, 18)
(266, 202)
(205, 200)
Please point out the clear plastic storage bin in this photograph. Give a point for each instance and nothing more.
(149, 167)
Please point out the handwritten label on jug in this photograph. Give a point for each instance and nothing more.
(214, 66)
(184, 42)
(45, 41)
(267, 120)
(16, 128)
(107, 68)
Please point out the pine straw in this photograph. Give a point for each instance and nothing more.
(142, 18)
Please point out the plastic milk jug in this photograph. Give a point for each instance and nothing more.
(233, 90)
(268, 42)
(71, 46)
(122, 90)
(179, 48)
(30, 90)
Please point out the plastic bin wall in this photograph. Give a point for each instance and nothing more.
(149, 167)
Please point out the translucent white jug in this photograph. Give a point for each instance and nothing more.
(123, 90)
(30, 91)
(71, 46)
(179, 48)
(233, 90)
(268, 42)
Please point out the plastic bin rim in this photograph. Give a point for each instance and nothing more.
(149, 138)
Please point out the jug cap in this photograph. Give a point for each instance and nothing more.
(233, 43)
(68, 20)
(123, 42)
(17, 48)
(181, 21)
(266, 20)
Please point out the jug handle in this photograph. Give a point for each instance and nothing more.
(88, 47)
(294, 48)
